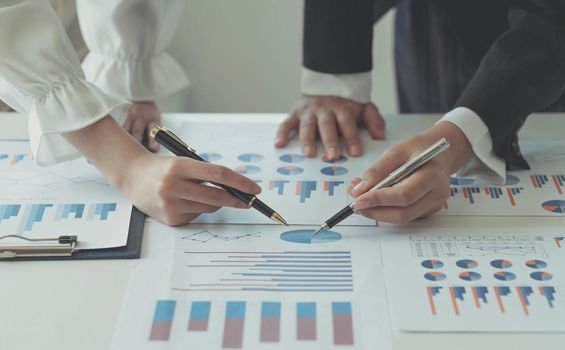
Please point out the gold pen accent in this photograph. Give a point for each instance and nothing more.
(251, 201)
(278, 219)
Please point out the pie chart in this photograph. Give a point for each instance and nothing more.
(341, 159)
(501, 264)
(504, 276)
(554, 206)
(511, 180)
(292, 158)
(469, 276)
(434, 276)
(305, 236)
(536, 264)
(334, 171)
(460, 181)
(211, 157)
(250, 157)
(541, 276)
(290, 170)
(432, 264)
(247, 169)
(467, 263)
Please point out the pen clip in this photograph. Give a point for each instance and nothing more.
(176, 138)
(65, 246)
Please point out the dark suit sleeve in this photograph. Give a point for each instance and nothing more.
(338, 35)
(523, 72)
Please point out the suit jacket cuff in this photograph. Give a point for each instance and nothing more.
(356, 86)
(486, 165)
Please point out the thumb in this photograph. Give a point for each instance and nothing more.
(389, 161)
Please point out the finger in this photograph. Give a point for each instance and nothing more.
(374, 121)
(178, 206)
(138, 130)
(307, 135)
(400, 215)
(193, 169)
(211, 196)
(287, 126)
(348, 128)
(177, 219)
(328, 132)
(151, 143)
(389, 161)
(353, 183)
(404, 194)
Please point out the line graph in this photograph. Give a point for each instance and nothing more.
(205, 236)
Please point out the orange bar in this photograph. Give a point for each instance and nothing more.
(326, 185)
(465, 192)
(454, 301)
(541, 291)
(523, 301)
(499, 299)
(512, 201)
(534, 182)
(557, 242)
(556, 184)
(487, 192)
(298, 188)
(476, 297)
(431, 299)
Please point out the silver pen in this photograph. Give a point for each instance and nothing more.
(393, 178)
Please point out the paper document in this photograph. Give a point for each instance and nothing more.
(71, 198)
(496, 280)
(262, 287)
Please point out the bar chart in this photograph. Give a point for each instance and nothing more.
(22, 218)
(257, 322)
(316, 271)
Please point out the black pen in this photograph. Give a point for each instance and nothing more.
(174, 144)
(394, 177)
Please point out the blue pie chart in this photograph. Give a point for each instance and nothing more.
(554, 206)
(210, 156)
(250, 157)
(292, 158)
(290, 170)
(305, 236)
(435, 276)
(247, 169)
(432, 264)
(334, 171)
(501, 264)
(467, 263)
(469, 276)
(536, 264)
(341, 159)
(541, 276)
(505, 276)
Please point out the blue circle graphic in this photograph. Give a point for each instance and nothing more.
(306, 237)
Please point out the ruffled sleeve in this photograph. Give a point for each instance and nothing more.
(41, 77)
(127, 40)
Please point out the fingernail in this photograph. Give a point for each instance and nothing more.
(360, 205)
(359, 186)
(355, 150)
(309, 151)
(332, 153)
(277, 141)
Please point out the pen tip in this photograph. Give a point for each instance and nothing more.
(279, 219)
(323, 227)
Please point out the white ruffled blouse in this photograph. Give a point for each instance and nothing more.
(41, 76)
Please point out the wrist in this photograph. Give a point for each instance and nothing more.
(460, 150)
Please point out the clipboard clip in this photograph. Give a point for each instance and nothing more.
(64, 246)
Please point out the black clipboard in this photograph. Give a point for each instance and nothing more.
(132, 249)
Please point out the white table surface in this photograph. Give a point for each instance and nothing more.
(75, 304)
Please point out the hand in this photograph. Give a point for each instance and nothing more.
(168, 189)
(171, 189)
(422, 193)
(329, 115)
(140, 119)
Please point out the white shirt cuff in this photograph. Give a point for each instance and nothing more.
(486, 165)
(356, 87)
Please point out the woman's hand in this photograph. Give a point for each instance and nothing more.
(172, 189)
(422, 193)
(141, 117)
(169, 189)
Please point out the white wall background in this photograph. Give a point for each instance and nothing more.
(245, 56)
